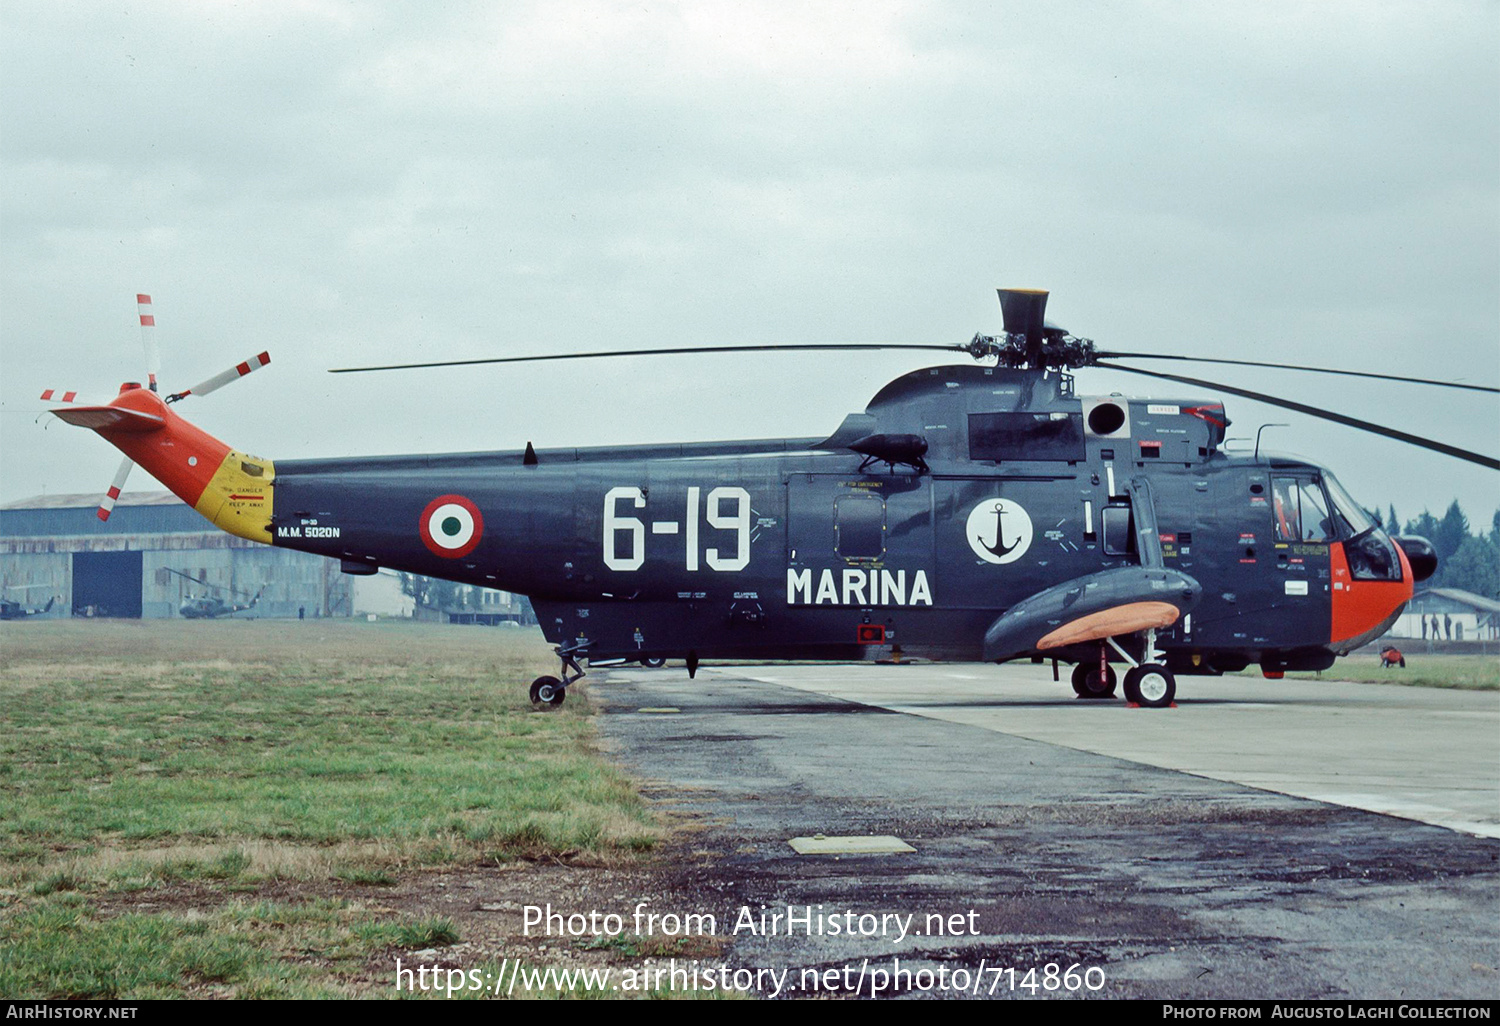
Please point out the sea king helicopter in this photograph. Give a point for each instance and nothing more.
(972, 512)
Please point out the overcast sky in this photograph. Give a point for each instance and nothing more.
(368, 183)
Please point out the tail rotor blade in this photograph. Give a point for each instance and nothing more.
(59, 395)
(108, 505)
(218, 381)
(148, 338)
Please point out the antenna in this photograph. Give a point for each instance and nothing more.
(1257, 436)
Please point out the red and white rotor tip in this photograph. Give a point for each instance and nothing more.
(116, 486)
(58, 395)
(148, 337)
(234, 373)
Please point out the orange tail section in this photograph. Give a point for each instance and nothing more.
(231, 489)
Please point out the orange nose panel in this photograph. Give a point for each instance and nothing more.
(1361, 606)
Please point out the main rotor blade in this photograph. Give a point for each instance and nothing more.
(1313, 411)
(1299, 367)
(678, 351)
(190, 577)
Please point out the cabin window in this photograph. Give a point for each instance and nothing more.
(1119, 539)
(859, 522)
(1026, 436)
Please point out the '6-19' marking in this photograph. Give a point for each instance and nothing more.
(632, 554)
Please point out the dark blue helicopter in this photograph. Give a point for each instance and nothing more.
(974, 512)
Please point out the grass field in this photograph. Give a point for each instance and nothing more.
(239, 780)
(1466, 672)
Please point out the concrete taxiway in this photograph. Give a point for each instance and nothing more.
(1170, 849)
(1428, 754)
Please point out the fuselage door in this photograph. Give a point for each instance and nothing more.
(859, 540)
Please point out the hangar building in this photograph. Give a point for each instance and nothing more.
(56, 545)
(1465, 616)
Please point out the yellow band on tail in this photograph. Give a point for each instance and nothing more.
(238, 498)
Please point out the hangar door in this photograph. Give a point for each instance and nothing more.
(110, 582)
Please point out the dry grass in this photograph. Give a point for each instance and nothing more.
(214, 762)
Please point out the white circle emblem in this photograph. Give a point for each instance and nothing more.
(451, 525)
(999, 531)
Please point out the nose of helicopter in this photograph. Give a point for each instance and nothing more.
(1364, 608)
(1421, 556)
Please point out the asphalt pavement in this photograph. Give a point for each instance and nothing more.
(1171, 851)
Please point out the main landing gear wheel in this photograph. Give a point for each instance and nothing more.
(1151, 685)
(1087, 684)
(548, 691)
(654, 662)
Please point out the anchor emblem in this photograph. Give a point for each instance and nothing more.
(999, 548)
(987, 530)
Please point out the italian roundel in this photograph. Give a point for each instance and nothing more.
(451, 526)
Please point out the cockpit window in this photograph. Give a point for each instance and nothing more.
(1317, 526)
(1351, 516)
(1300, 510)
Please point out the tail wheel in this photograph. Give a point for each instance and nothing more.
(1087, 682)
(654, 662)
(548, 691)
(1151, 685)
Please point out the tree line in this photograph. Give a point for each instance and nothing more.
(1467, 558)
(450, 596)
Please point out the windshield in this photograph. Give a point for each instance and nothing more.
(1351, 515)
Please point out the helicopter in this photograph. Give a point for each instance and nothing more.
(13, 610)
(980, 511)
(206, 606)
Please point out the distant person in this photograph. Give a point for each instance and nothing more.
(1447, 627)
(302, 615)
(1424, 627)
(1391, 656)
(1437, 630)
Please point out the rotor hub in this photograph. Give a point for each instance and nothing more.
(1057, 350)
